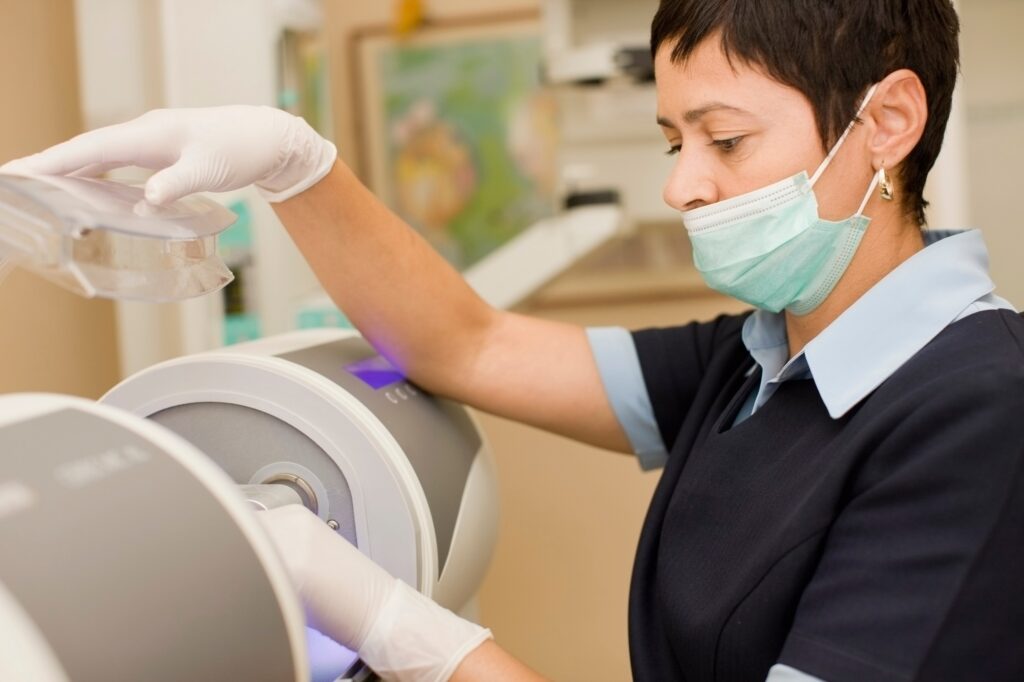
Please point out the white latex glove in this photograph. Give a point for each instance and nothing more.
(401, 634)
(214, 149)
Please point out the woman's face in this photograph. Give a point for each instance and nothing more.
(734, 130)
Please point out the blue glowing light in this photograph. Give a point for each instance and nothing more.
(328, 660)
(375, 372)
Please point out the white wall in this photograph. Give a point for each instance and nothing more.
(135, 55)
(119, 60)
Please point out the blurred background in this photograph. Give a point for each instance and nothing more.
(479, 123)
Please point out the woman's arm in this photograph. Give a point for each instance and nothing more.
(416, 309)
(401, 634)
(410, 304)
(490, 662)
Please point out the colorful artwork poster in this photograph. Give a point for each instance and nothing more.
(469, 139)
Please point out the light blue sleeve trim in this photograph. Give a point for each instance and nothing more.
(619, 367)
(783, 673)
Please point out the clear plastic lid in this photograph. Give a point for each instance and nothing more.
(101, 238)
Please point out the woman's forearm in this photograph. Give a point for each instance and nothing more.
(490, 662)
(419, 311)
(403, 296)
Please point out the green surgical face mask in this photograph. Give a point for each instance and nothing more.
(770, 248)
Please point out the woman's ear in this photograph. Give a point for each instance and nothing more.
(896, 116)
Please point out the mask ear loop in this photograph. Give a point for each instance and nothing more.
(842, 138)
(867, 197)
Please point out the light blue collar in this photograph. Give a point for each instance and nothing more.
(881, 331)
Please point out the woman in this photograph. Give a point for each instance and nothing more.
(842, 496)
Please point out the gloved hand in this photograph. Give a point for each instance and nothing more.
(401, 634)
(214, 149)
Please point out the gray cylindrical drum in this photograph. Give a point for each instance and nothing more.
(126, 555)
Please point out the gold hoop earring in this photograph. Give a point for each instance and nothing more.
(885, 184)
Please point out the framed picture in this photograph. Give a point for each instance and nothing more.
(457, 134)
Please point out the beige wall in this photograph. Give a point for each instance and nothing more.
(50, 340)
(992, 55)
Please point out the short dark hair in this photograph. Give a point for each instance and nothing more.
(832, 51)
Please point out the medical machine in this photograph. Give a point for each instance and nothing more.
(131, 550)
(128, 555)
(130, 546)
(403, 475)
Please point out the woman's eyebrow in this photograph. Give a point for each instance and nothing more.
(695, 115)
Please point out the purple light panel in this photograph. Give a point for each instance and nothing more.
(375, 372)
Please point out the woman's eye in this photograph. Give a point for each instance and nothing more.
(673, 150)
(729, 144)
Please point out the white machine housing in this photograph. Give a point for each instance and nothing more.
(119, 538)
(405, 476)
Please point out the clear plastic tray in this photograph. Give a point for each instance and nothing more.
(101, 238)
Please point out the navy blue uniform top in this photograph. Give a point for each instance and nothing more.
(864, 532)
